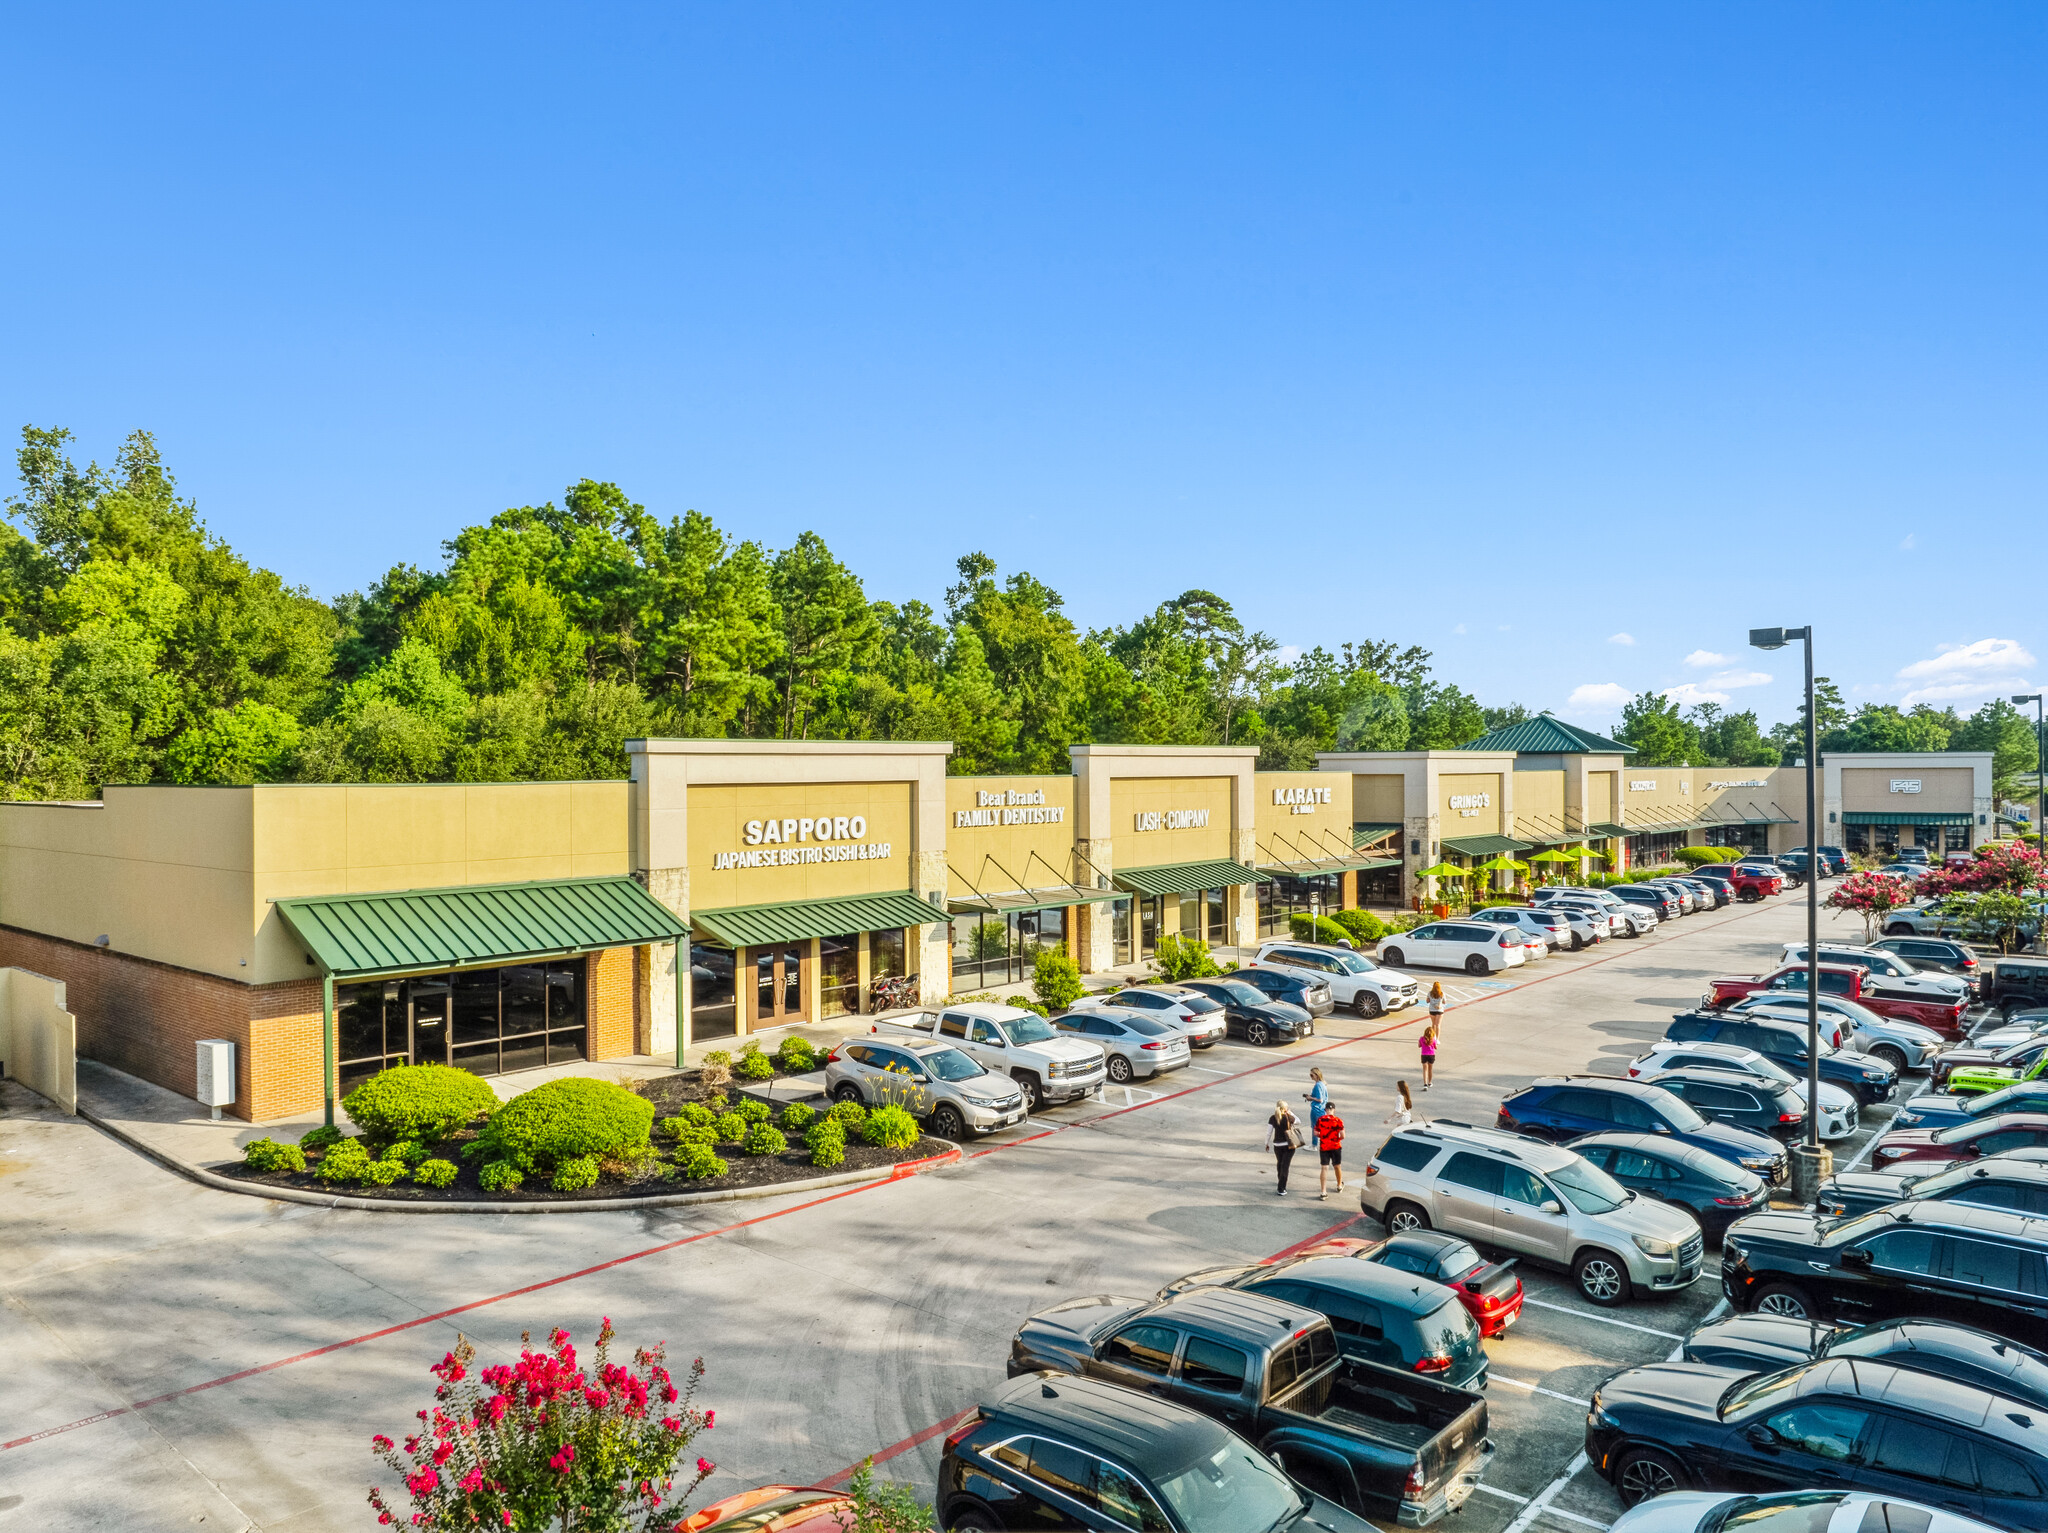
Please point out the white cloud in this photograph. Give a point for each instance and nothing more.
(1688, 694)
(1459, 629)
(1287, 654)
(1905, 542)
(1503, 628)
(1621, 638)
(1739, 679)
(1958, 673)
(1702, 657)
(1597, 697)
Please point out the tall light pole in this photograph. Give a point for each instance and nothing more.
(2040, 780)
(1811, 1162)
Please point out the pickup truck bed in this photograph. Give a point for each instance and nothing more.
(1406, 1416)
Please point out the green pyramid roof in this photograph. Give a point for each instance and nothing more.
(1547, 736)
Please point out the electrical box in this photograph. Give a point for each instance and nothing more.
(216, 1073)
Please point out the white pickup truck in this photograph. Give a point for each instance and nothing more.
(1047, 1065)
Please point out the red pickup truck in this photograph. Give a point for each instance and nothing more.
(1851, 983)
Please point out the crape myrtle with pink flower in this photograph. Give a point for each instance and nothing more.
(546, 1444)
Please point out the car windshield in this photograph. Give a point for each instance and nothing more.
(1851, 1230)
(1238, 991)
(2019, 1095)
(1763, 1390)
(1236, 1489)
(1958, 1134)
(1028, 1029)
(951, 1065)
(1589, 1189)
(1935, 1183)
(1354, 963)
(1765, 1069)
(1803, 1511)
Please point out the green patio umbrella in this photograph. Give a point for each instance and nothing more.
(1501, 863)
(1442, 870)
(1551, 854)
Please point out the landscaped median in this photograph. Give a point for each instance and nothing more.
(435, 1137)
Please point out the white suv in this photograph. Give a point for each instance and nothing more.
(1354, 980)
(1469, 945)
(1541, 1200)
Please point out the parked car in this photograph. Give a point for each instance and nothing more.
(1295, 987)
(1965, 1141)
(1890, 973)
(1996, 1181)
(1790, 1511)
(1688, 902)
(1733, 1062)
(2015, 984)
(1661, 902)
(1562, 1107)
(1792, 866)
(1976, 1266)
(1767, 1343)
(1852, 983)
(1935, 954)
(1053, 1451)
(1833, 859)
(1196, 1015)
(1784, 1043)
(1539, 1200)
(1711, 1189)
(1354, 979)
(1902, 1045)
(1550, 926)
(2014, 1027)
(785, 1508)
(1253, 1015)
(1744, 881)
(1380, 1315)
(1840, 1424)
(1137, 1046)
(1917, 855)
(1047, 1065)
(1955, 1072)
(1763, 1107)
(1469, 945)
(1639, 916)
(1395, 1443)
(1716, 891)
(928, 1079)
(1945, 1109)
(1489, 1290)
(1622, 919)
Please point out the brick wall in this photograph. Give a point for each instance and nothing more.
(284, 1049)
(613, 1003)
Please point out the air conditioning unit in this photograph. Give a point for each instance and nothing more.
(216, 1074)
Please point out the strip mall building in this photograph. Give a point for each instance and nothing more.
(499, 927)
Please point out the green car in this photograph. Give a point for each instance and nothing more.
(1975, 1080)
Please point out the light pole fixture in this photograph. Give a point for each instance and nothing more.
(1814, 1159)
(2040, 781)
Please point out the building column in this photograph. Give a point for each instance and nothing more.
(864, 976)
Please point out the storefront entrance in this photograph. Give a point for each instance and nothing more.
(996, 948)
(779, 983)
(1286, 895)
(488, 1021)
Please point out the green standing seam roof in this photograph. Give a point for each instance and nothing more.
(1604, 828)
(1023, 899)
(1186, 877)
(798, 920)
(1547, 736)
(420, 929)
(1906, 817)
(1481, 846)
(1365, 835)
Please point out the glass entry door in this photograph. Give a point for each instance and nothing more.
(430, 998)
(779, 983)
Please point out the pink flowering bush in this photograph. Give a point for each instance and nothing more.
(1873, 896)
(545, 1444)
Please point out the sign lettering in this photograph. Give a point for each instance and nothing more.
(1301, 800)
(1743, 782)
(1468, 805)
(1053, 814)
(794, 856)
(1643, 785)
(1905, 785)
(1171, 819)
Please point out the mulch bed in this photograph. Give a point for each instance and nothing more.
(668, 1093)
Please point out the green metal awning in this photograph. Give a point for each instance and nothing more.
(1905, 817)
(800, 920)
(1604, 828)
(1315, 869)
(1482, 846)
(1186, 877)
(1660, 827)
(972, 903)
(420, 929)
(1365, 835)
(1376, 862)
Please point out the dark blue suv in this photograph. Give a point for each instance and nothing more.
(1563, 1107)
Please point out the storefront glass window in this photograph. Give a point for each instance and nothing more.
(1856, 840)
(1119, 912)
(370, 1030)
(523, 1004)
(1191, 915)
(838, 975)
(1955, 838)
(713, 1013)
(793, 979)
(1752, 839)
(1212, 906)
(885, 953)
(484, 1020)
(1150, 913)
(1285, 896)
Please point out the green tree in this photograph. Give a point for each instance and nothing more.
(250, 742)
(2000, 728)
(825, 622)
(1661, 736)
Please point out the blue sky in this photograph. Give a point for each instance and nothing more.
(1566, 342)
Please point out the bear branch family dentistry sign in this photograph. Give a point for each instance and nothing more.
(789, 843)
(1009, 808)
(1301, 800)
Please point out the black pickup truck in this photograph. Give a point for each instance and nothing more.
(1377, 1440)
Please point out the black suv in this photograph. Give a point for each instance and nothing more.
(1993, 1181)
(1940, 955)
(1661, 902)
(1057, 1451)
(1250, 1014)
(2015, 983)
(1766, 1343)
(1561, 1108)
(1985, 1267)
(1784, 1044)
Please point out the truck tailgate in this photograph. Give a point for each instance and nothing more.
(1433, 1425)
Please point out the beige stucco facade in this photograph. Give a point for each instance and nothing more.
(1009, 834)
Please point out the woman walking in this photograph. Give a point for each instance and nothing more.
(1436, 1005)
(1329, 1150)
(1283, 1138)
(1428, 1045)
(1317, 1096)
(1404, 1108)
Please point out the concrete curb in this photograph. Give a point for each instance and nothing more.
(220, 1183)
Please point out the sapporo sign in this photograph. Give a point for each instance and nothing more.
(1009, 808)
(791, 842)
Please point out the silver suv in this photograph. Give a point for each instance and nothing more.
(1541, 1200)
(932, 1081)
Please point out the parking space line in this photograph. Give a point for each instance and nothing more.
(1540, 1502)
(1538, 1389)
(1552, 1511)
(1587, 1314)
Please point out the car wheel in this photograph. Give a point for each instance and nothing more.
(846, 1091)
(1368, 1005)
(1475, 965)
(1783, 1299)
(1120, 1069)
(1391, 957)
(1641, 1473)
(973, 1520)
(1034, 1094)
(1891, 1056)
(947, 1122)
(1257, 1034)
(1601, 1277)
(1404, 1218)
(1577, 942)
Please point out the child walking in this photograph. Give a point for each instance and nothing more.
(1330, 1151)
(1428, 1054)
(1404, 1109)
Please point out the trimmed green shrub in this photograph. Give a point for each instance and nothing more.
(827, 1141)
(697, 1115)
(1056, 979)
(754, 1110)
(319, 1138)
(476, 1149)
(382, 1173)
(848, 1114)
(407, 1152)
(269, 1155)
(700, 1163)
(346, 1163)
(1177, 958)
(796, 1056)
(753, 1065)
(716, 1070)
(566, 1120)
(1694, 856)
(892, 1128)
(796, 1117)
(1305, 927)
(731, 1127)
(500, 1176)
(671, 1128)
(1363, 925)
(434, 1173)
(576, 1174)
(713, 1104)
(417, 1102)
(694, 1139)
(1025, 1003)
(765, 1139)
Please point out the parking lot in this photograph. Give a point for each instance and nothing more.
(185, 1357)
